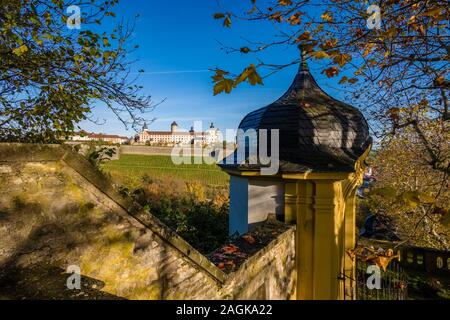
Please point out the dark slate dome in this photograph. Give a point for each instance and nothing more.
(317, 132)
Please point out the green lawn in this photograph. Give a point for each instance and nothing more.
(134, 167)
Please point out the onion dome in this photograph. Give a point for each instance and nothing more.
(316, 132)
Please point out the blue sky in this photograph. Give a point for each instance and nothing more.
(178, 43)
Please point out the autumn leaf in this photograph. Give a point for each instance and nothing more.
(393, 114)
(106, 42)
(425, 198)
(252, 10)
(251, 75)
(219, 16)
(249, 238)
(227, 22)
(439, 80)
(386, 192)
(294, 19)
(20, 50)
(328, 44)
(277, 17)
(331, 72)
(326, 16)
(432, 12)
(391, 32)
(244, 50)
(320, 54)
(344, 79)
(231, 248)
(368, 49)
(342, 59)
(304, 36)
(224, 85)
(285, 2)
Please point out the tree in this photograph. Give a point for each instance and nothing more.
(51, 73)
(395, 70)
(392, 59)
(409, 190)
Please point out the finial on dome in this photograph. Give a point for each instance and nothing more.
(303, 65)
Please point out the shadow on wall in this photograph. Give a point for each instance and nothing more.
(43, 238)
(47, 283)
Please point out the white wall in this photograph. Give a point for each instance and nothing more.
(252, 200)
(265, 197)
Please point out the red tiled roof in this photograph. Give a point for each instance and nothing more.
(168, 133)
(99, 135)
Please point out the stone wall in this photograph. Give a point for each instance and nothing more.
(56, 211)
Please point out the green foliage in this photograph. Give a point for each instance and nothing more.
(100, 155)
(50, 75)
(201, 222)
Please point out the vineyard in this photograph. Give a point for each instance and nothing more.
(130, 169)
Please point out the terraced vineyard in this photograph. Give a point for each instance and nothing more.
(134, 167)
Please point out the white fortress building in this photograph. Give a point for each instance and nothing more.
(174, 136)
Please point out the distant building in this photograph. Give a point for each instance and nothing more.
(110, 138)
(174, 136)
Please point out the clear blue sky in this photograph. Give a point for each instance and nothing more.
(178, 44)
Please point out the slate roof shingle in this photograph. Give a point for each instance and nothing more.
(316, 132)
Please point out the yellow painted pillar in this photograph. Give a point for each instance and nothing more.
(327, 225)
(290, 201)
(320, 241)
(350, 241)
(305, 240)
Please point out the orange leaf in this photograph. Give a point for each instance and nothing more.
(231, 248)
(249, 239)
(304, 36)
(331, 72)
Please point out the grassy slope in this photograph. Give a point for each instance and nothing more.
(158, 167)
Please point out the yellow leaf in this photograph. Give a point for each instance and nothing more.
(320, 54)
(386, 192)
(223, 85)
(368, 49)
(425, 198)
(20, 50)
(342, 59)
(251, 75)
(326, 16)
